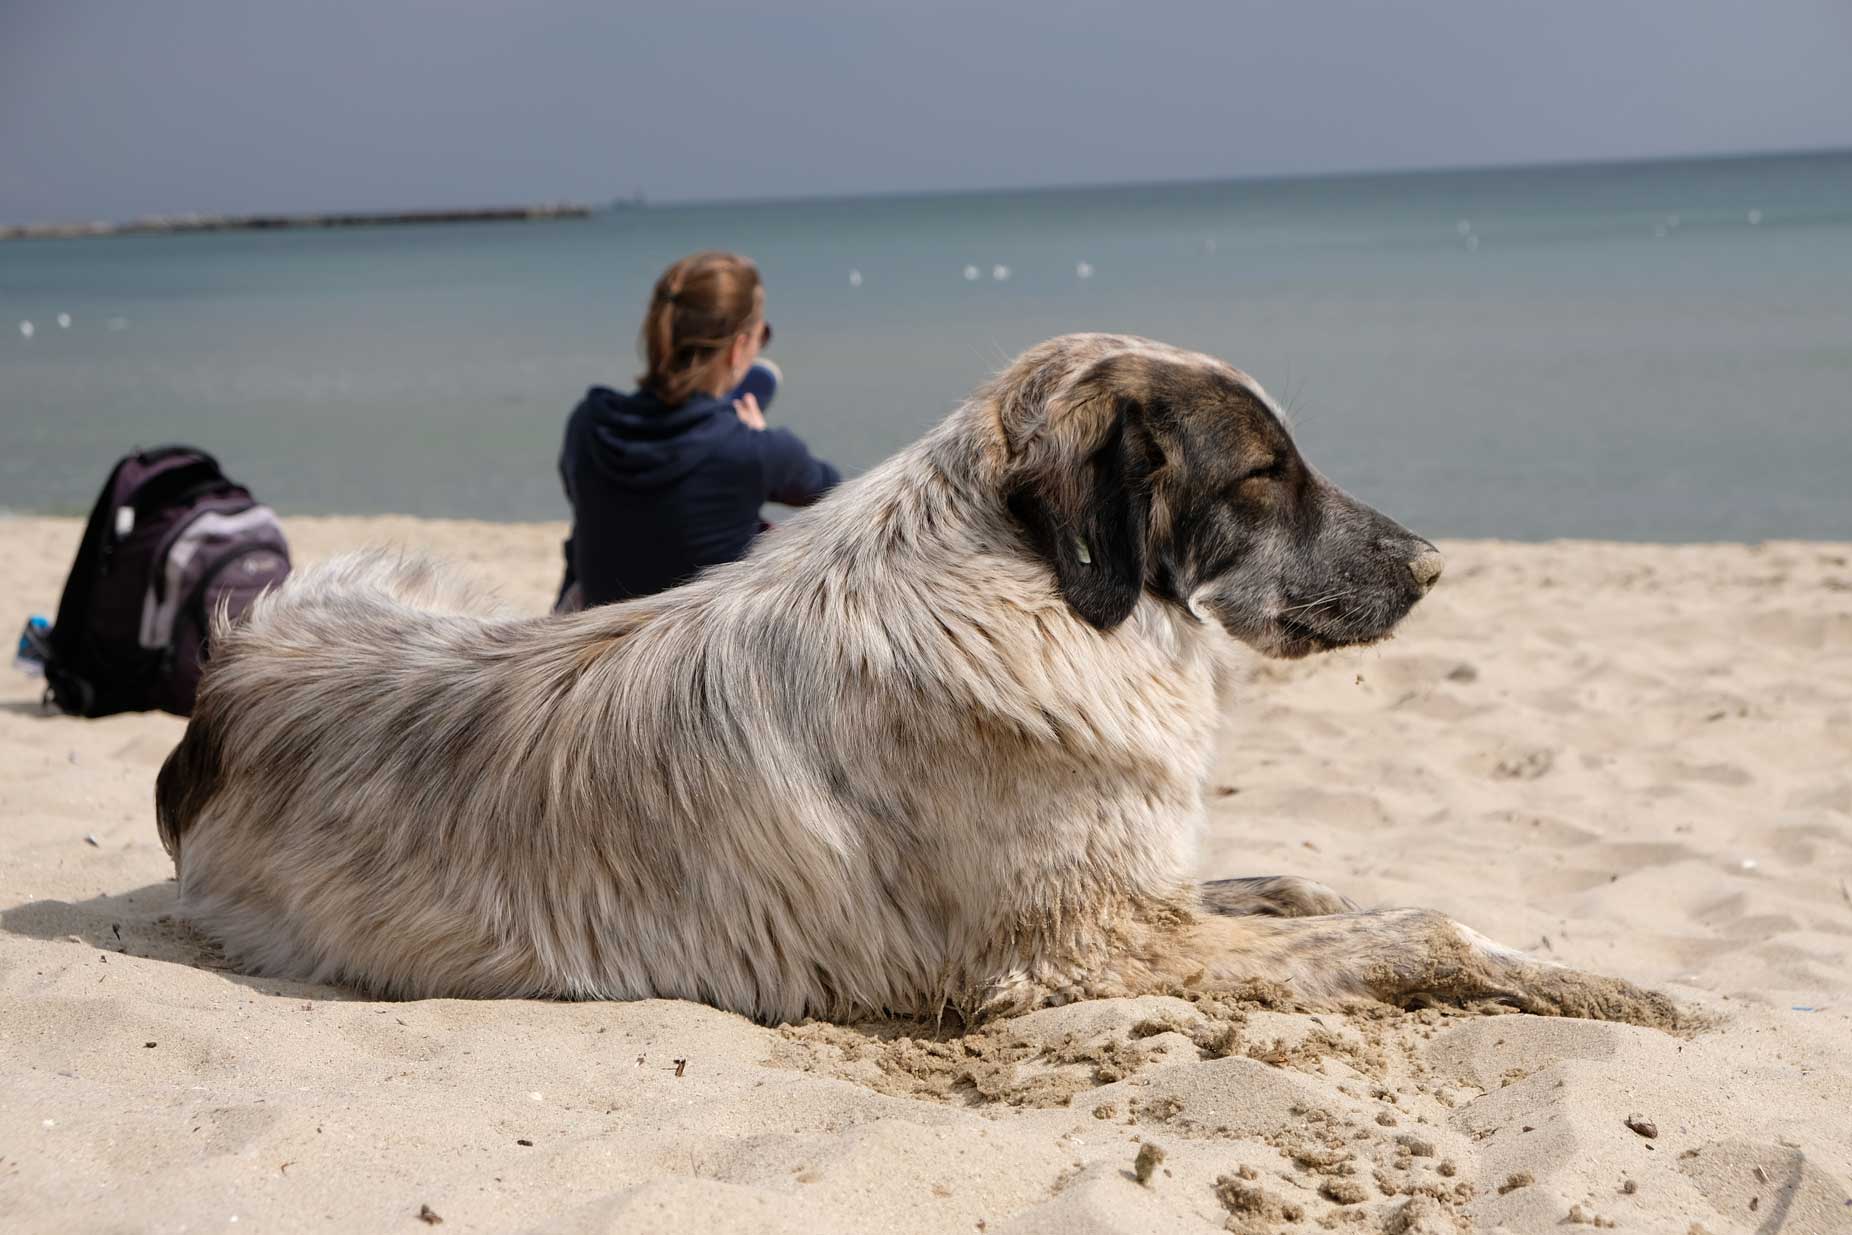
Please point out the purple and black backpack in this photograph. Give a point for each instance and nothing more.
(170, 542)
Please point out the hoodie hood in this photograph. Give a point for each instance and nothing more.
(638, 441)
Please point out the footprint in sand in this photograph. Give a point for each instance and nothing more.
(1768, 1188)
(227, 1130)
(1546, 829)
(1527, 765)
(1806, 631)
(1726, 774)
(1824, 797)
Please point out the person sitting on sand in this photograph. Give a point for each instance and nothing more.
(668, 480)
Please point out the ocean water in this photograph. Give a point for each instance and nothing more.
(1656, 351)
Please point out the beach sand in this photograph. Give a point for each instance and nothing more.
(1632, 758)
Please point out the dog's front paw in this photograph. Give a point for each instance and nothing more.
(1487, 971)
(1551, 990)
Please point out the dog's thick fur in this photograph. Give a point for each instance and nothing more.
(939, 743)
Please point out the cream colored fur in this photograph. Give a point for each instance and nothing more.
(880, 766)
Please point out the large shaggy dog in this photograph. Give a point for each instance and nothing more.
(938, 743)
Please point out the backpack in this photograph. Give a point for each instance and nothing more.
(170, 541)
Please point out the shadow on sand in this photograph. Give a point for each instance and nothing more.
(140, 923)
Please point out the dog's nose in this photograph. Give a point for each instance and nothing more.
(1427, 567)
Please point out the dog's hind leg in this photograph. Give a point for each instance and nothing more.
(1406, 957)
(1273, 896)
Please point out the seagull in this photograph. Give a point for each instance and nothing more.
(1083, 270)
(971, 274)
(64, 321)
(26, 328)
(855, 277)
(999, 273)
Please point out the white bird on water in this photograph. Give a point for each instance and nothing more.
(27, 328)
(999, 273)
(1755, 218)
(1083, 270)
(64, 321)
(855, 277)
(972, 273)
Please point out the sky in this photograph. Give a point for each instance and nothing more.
(111, 109)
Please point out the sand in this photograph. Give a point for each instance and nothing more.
(1632, 758)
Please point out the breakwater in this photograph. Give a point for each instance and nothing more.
(165, 224)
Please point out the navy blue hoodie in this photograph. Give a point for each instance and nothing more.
(660, 492)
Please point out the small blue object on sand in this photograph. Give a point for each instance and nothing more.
(34, 647)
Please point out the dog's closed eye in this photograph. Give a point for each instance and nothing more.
(1273, 469)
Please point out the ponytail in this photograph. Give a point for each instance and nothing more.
(699, 306)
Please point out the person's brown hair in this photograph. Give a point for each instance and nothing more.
(700, 305)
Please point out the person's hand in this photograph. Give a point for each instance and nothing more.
(747, 409)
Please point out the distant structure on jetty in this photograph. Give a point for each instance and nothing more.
(274, 222)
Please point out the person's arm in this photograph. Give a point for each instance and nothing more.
(793, 475)
(567, 461)
(568, 455)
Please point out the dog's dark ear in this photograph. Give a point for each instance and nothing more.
(1091, 526)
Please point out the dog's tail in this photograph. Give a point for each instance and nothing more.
(324, 607)
(187, 782)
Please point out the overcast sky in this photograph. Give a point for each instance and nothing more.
(113, 108)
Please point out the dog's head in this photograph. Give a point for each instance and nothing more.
(1133, 467)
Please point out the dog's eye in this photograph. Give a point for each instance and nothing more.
(1273, 469)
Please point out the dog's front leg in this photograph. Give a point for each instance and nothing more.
(1273, 896)
(1406, 957)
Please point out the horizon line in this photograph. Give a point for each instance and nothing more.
(1351, 173)
(640, 200)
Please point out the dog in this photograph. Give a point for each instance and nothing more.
(939, 744)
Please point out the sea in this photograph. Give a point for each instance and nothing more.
(1642, 351)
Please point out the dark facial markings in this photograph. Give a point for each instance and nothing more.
(1244, 490)
(1234, 479)
(1197, 494)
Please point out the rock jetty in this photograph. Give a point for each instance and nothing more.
(274, 222)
